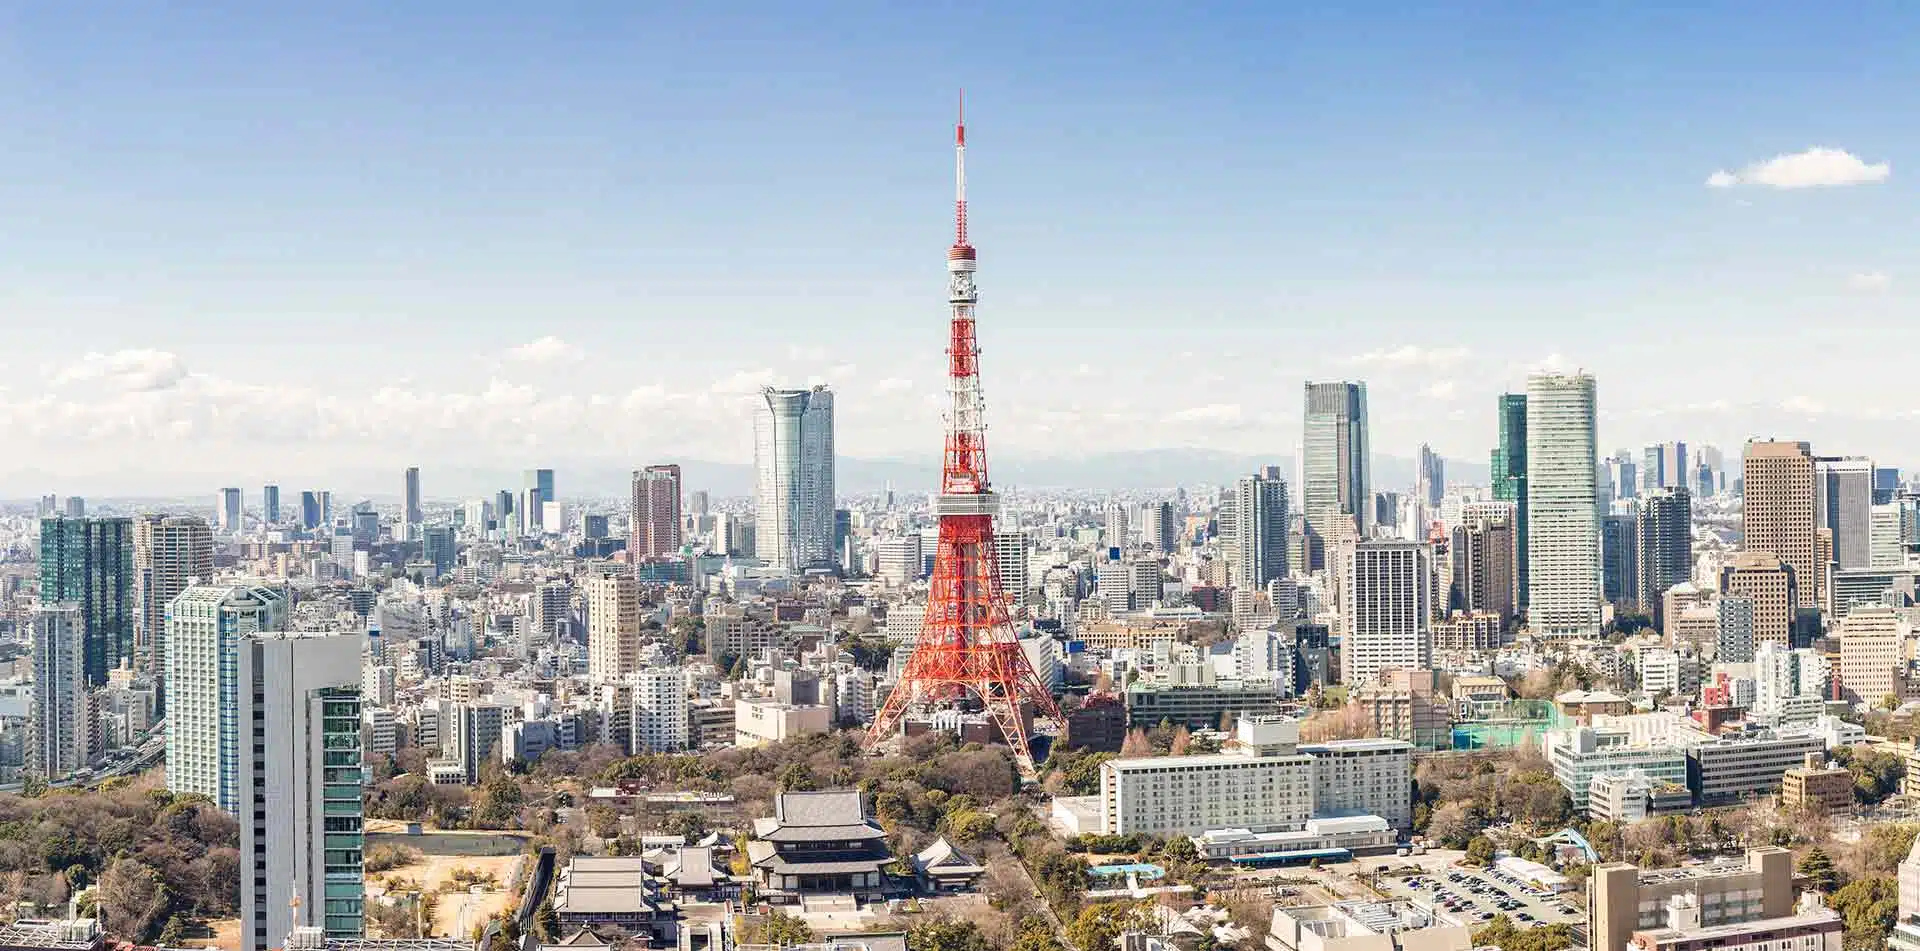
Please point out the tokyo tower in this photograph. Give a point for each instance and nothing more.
(967, 644)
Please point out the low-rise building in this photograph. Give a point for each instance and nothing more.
(759, 722)
(1198, 705)
(1580, 754)
(1729, 769)
(1357, 835)
(1812, 927)
(1816, 784)
(1394, 925)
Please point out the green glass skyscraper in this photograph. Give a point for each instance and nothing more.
(89, 561)
(1510, 477)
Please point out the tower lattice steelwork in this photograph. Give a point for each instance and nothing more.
(968, 644)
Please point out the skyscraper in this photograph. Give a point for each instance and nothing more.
(1563, 530)
(169, 552)
(1624, 475)
(228, 510)
(301, 825)
(270, 504)
(613, 627)
(536, 492)
(1387, 607)
(76, 507)
(310, 515)
(1430, 482)
(1779, 514)
(89, 561)
(1843, 503)
(656, 513)
(437, 547)
(1335, 493)
(1162, 528)
(410, 511)
(1257, 549)
(1510, 477)
(205, 627)
(64, 732)
(794, 478)
(1665, 547)
(1620, 561)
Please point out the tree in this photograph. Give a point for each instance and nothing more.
(546, 922)
(134, 898)
(1136, 745)
(1480, 851)
(942, 933)
(1182, 742)
(1817, 866)
(784, 929)
(1035, 935)
(798, 778)
(1180, 849)
(1098, 926)
(1870, 907)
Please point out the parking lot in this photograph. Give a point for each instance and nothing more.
(1476, 895)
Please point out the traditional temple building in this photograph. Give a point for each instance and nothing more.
(818, 843)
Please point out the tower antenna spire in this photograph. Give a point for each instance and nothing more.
(960, 175)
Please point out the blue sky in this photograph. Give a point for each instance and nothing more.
(317, 243)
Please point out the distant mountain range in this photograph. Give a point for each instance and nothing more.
(1142, 469)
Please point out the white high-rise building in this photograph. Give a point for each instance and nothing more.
(899, 559)
(660, 723)
(64, 731)
(1563, 519)
(613, 627)
(1886, 537)
(793, 460)
(1010, 558)
(1386, 609)
(170, 552)
(301, 831)
(228, 510)
(205, 625)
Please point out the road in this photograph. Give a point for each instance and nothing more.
(150, 751)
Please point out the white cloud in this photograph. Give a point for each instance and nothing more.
(1870, 282)
(1813, 168)
(548, 349)
(1210, 413)
(744, 382)
(893, 384)
(1551, 363)
(1440, 390)
(811, 354)
(1412, 356)
(131, 371)
(1804, 405)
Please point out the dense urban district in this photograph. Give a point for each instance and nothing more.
(1656, 699)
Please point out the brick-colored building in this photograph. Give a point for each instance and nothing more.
(1829, 787)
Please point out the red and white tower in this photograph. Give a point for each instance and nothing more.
(967, 644)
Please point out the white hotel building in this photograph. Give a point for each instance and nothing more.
(1269, 784)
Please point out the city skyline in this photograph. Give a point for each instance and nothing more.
(1333, 250)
